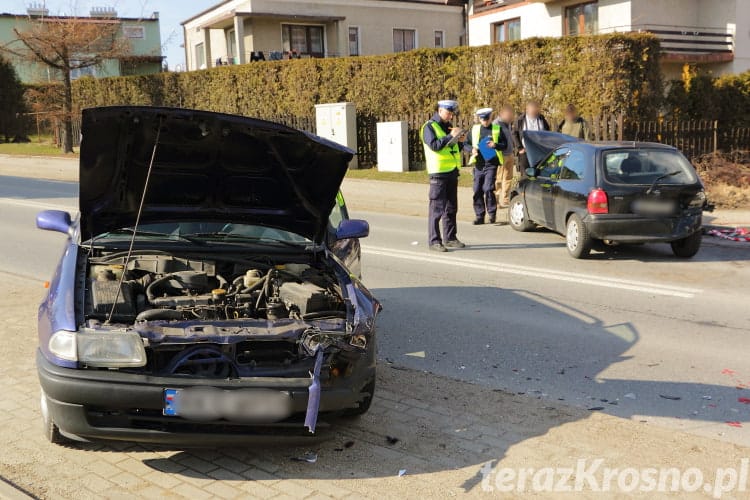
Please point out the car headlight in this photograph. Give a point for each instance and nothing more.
(62, 344)
(111, 349)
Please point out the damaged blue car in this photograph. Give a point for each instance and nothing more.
(209, 290)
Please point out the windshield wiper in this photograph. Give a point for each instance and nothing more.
(661, 178)
(252, 239)
(166, 236)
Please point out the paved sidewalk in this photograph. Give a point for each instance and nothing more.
(362, 195)
(444, 430)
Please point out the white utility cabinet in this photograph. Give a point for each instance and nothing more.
(338, 123)
(393, 151)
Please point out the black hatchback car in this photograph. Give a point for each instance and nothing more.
(609, 193)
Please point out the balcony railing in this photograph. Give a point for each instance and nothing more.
(686, 42)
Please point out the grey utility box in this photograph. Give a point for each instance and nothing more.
(338, 123)
(393, 151)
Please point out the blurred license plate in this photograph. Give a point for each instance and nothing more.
(211, 403)
(653, 207)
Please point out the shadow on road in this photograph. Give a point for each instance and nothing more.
(27, 188)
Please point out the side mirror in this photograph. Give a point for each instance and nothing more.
(352, 228)
(531, 172)
(53, 220)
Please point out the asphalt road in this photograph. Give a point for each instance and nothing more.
(634, 332)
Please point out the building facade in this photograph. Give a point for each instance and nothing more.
(143, 41)
(240, 31)
(714, 34)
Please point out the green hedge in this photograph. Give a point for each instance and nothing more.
(607, 73)
(704, 97)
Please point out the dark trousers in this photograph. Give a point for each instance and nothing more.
(523, 164)
(484, 191)
(443, 207)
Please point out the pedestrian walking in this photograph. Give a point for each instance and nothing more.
(573, 124)
(442, 150)
(530, 120)
(486, 143)
(505, 171)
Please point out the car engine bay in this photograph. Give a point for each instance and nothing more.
(156, 286)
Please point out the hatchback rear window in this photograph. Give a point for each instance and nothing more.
(645, 166)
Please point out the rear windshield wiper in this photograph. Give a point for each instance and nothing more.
(661, 178)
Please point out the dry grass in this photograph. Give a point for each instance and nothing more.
(727, 178)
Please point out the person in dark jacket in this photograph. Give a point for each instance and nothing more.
(573, 125)
(530, 120)
(484, 139)
(442, 150)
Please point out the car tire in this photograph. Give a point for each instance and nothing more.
(687, 247)
(51, 431)
(364, 405)
(518, 216)
(577, 237)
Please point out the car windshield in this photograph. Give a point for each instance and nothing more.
(647, 166)
(202, 232)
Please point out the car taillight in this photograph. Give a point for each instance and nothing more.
(598, 203)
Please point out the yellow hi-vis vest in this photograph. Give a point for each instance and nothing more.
(475, 141)
(440, 162)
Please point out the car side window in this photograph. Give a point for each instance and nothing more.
(338, 213)
(552, 166)
(574, 167)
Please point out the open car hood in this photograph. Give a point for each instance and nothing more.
(207, 167)
(539, 144)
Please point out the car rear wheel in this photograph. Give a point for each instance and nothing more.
(518, 216)
(51, 431)
(577, 237)
(687, 247)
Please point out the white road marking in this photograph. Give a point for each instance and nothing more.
(537, 272)
(38, 204)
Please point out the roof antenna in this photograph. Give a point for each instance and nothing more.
(137, 221)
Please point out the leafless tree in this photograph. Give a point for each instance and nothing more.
(65, 44)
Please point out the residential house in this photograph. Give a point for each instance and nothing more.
(143, 37)
(241, 31)
(714, 34)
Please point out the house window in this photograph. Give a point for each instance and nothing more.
(404, 40)
(200, 56)
(80, 72)
(303, 39)
(353, 40)
(439, 39)
(582, 19)
(134, 31)
(506, 31)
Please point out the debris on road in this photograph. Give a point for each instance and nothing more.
(629, 395)
(596, 408)
(310, 457)
(736, 234)
(734, 424)
(673, 398)
(392, 440)
(401, 472)
(745, 401)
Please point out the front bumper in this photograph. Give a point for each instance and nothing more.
(114, 405)
(630, 228)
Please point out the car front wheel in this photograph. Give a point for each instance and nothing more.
(577, 237)
(518, 216)
(687, 247)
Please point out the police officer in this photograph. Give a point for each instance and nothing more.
(443, 157)
(485, 169)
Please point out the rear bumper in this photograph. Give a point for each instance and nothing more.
(111, 405)
(630, 228)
